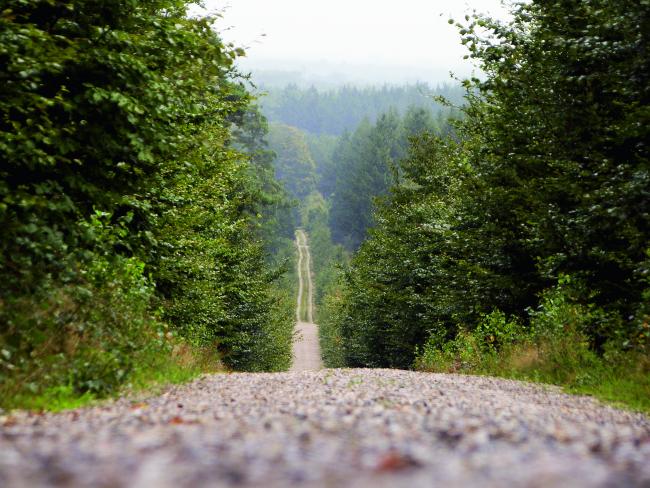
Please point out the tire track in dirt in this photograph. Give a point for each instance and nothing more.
(306, 347)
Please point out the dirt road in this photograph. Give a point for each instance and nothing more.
(329, 428)
(306, 348)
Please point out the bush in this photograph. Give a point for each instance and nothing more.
(333, 347)
(555, 350)
(123, 203)
(88, 335)
(495, 332)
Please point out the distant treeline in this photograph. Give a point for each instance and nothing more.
(338, 110)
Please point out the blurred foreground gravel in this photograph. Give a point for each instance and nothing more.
(359, 428)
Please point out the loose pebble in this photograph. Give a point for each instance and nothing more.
(358, 428)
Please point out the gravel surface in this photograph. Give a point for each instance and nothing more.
(359, 428)
(306, 347)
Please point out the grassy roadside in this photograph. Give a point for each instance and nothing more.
(629, 392)
(182, 365)
(151, 357)
(621, 380)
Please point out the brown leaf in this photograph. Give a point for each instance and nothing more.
(395, 461)
(176, 420)
(8, 421)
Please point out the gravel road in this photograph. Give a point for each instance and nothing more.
(306, 347)
(359, 428)
(327, 428)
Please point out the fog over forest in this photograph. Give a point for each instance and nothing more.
(337, 42)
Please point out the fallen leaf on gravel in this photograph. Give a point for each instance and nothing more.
(136, 406)
(179, 421)
(8, 421)
(394, 461)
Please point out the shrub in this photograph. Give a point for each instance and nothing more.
(88, 334)
(495, 332)
(127, 108)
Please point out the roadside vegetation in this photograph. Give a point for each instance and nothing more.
(137, 198)
(149, 209)
(519, 246)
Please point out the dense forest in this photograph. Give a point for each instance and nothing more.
(519, 246)
(350, 170)
(335, 111)
(149, 196)
(137, 195)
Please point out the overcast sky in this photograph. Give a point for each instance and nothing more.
(403, 40)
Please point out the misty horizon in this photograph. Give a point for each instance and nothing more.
(326, 75)
(360, 43)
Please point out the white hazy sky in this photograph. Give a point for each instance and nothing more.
(402, 40)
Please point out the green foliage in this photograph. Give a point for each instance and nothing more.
(545, 178)
(326, 256)
(294, 165)
(339, 110)
(560, 149)
(322, 148)
(327, 259)
(495, 332)
(125, 207)
(366, 164)
(275, 205)
(331, 340)
(93, 102)
(157, 370)
(556, 351)
(89, 335)
(395, 286)
(211, 271)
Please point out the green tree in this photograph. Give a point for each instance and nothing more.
(336, 111)
(295, 166)
(367, 163)
(250, 136)
(115, 123)
(562, 145)
(548, 179)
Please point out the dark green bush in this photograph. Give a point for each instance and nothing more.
(557, 350)
(89, 334)
(123, 202)
(549, 176)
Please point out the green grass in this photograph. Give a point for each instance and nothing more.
(184, 364)
(621, 379)
(53, 399)
(627, 389)
(630, 390)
